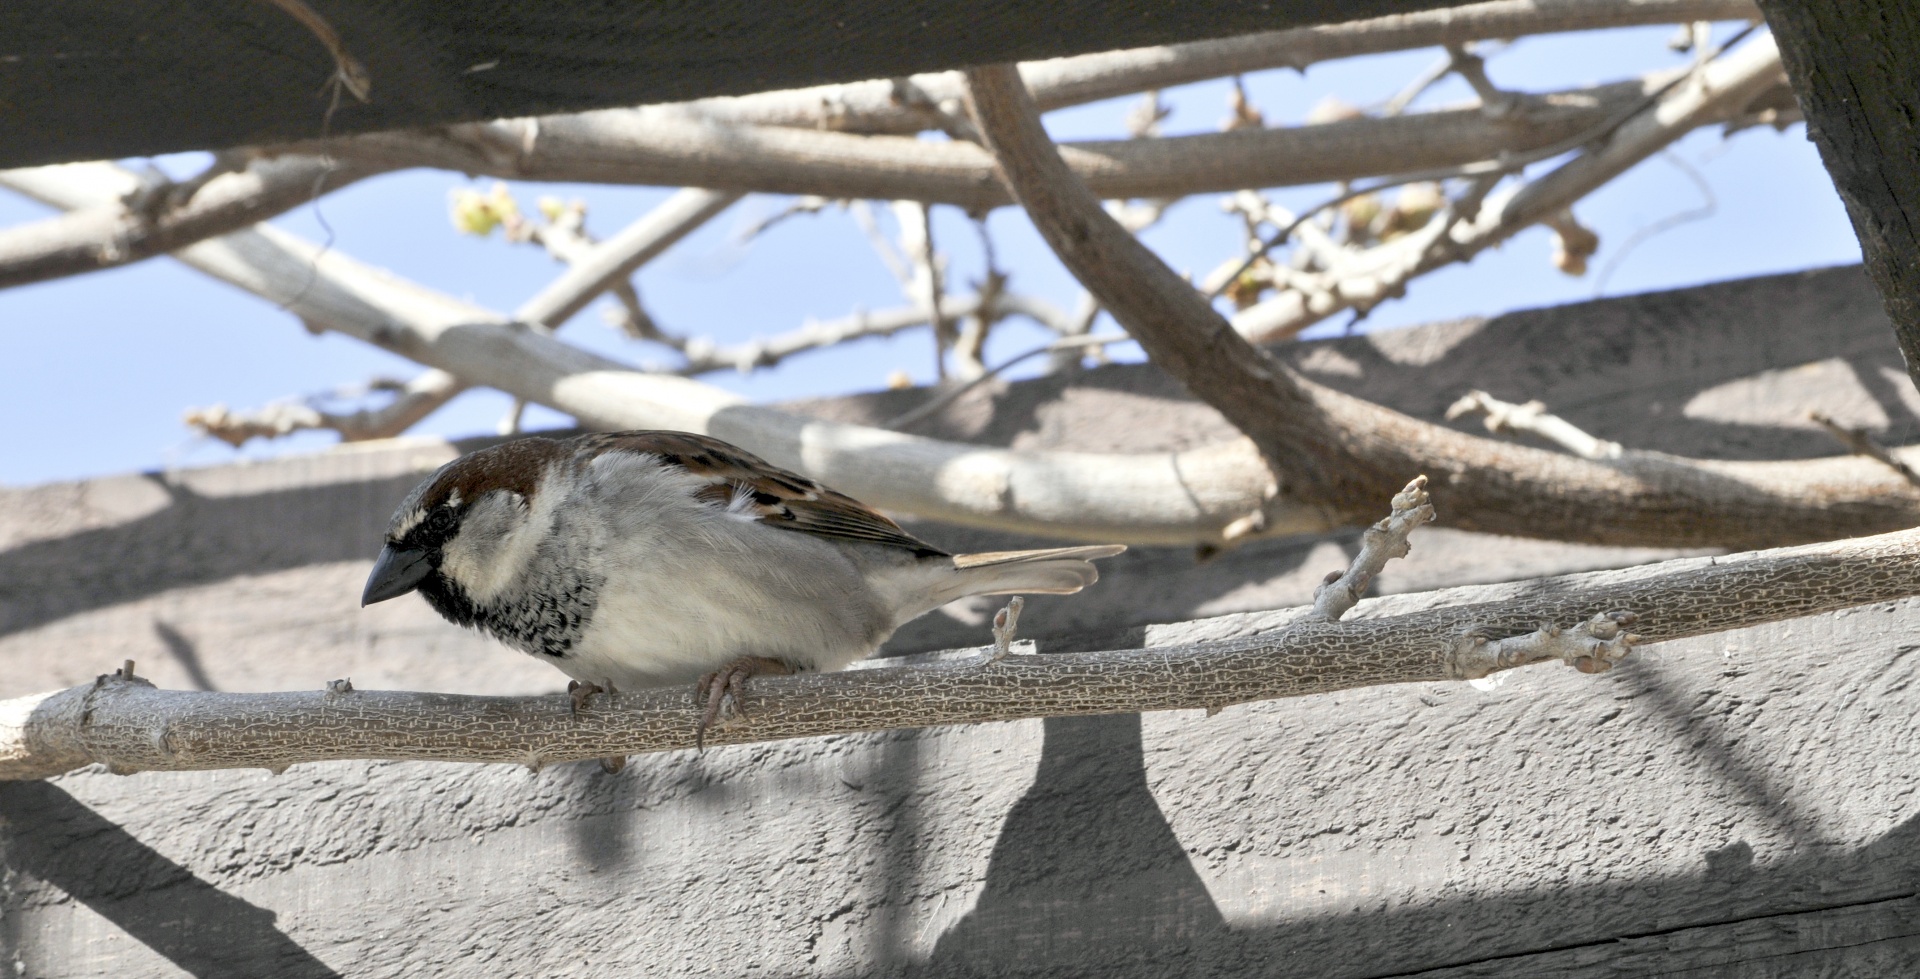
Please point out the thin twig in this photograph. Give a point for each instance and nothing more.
(1381, 543)
(908, 419)
(348, 72)
(1532, 418)
(1859, 442)
(1709, 205)
(413, 402)
(1719, 90)
(703, 356)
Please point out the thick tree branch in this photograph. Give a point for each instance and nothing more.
(112, 233)
(1180, 332)
(1333, 450)
(877, 106)
(1194, 496)
(669, 147)
(1433, 637)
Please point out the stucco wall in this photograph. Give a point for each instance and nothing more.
(1740, 805)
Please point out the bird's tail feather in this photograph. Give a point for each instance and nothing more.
(1049, 571)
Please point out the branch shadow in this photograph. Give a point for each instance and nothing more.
(185, 653)
(57, 840)
(1624, 368)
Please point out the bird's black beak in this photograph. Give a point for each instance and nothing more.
(395, 572)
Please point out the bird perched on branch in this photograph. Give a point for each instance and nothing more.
(644, 559)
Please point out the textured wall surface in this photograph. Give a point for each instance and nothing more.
(1732, 806)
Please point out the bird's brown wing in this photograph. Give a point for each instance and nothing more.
(749, 485)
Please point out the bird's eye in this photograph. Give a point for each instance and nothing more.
(440, 521)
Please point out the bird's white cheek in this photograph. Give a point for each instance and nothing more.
(483, 572)
(487, 559)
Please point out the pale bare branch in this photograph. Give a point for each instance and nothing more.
(127, 725)
(875, 106)
(412, 403)
(667, 146)
(117, 233)
(1594, 646)
(925, 279)
(1381, 543)
(1860, 442)
(1533, 419)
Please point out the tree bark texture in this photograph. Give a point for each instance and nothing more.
(128, 725)
(1856, 68)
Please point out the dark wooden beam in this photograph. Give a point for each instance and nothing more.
(1856, 68)
(94, 79)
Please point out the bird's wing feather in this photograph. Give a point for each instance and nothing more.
(749, 485)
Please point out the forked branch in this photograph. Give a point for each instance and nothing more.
(1330, 450)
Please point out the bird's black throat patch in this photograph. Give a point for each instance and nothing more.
(544, 621)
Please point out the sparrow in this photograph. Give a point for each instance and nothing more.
(652, 558)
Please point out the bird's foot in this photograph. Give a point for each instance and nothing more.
(581, 693)
(724, 691)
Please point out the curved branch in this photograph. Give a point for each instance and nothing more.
(111, 234)
(1170, 497)
(129, 726)
(669, 147)
(876, 106)
(1333, 450)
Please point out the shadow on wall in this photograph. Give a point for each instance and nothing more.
(54, 838)
(1087, 877)
(194, 540)
(1086, 869)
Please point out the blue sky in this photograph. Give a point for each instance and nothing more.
(101, 367)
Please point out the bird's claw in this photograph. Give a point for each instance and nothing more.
(581, 693)
(724, 692)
